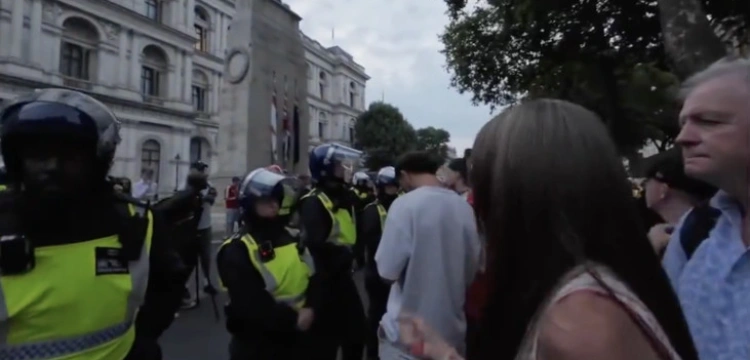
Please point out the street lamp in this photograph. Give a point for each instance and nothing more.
(176, 172)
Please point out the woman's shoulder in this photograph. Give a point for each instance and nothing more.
(592, 314)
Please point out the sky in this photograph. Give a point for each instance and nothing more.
(397, 43)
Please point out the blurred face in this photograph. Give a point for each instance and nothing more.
(147, 175)
(452, 178)
(344, 170)
(52, 168)
(655, 191)
(390, 190)
(267, 208)
(715, 121)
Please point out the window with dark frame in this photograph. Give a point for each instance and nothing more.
(151, 157)
(202, 34)
(153, 10)
(199, 98)
(149, 81)
(74, 61)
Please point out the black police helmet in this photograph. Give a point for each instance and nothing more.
(59, 112)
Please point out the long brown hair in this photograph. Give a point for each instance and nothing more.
(551, 193)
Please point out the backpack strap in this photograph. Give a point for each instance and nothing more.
(697, 227)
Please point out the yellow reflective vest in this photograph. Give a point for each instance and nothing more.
(288, 201)
(287, 275)
(382, 213)
(78, 303)
(343, 228)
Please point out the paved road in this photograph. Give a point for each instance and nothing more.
(196, 335)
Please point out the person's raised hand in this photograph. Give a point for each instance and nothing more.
(305, 318)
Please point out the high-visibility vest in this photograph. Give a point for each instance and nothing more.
(78, 303)
(3, 187)
(287, 202)
(343, 228)
(360, 194)
(287, 275)
(382, 213)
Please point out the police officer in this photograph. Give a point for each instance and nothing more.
(328, 218)
(373, 219)
(77, 260)
(362, 187)
(269, 275)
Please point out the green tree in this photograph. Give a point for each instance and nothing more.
(594, 53)
(383, 134)
(434, 140)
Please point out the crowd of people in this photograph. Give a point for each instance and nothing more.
(535, 245)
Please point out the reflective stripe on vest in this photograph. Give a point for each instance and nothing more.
(63, 308)
(343, 231)
(382, 214)
(287, 202)
(287, 275)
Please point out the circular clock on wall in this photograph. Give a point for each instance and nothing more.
(238, 64)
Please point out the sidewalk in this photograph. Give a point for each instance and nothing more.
(218, 225)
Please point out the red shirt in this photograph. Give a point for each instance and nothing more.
(230, 195)
(476, 296)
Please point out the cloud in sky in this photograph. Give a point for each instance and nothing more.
(397, 43)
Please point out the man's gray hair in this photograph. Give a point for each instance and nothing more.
(731, 65)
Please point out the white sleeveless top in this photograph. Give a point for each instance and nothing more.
(580, 280)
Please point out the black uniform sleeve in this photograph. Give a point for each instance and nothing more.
(370, 234)
(165, 284)
(251, 305)
(316, 222)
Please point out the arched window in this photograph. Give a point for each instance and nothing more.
(352, 94)
(151, 157)
(155, 10)
(322, 124)
(154, 72)
(201, 26)
(200, 91)
(78, 49)
(322, 85)
(200, 150)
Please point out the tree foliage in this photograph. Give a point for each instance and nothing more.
(601, 54)
(434, 140)
(383, 134)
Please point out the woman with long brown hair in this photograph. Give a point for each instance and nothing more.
(573, 275)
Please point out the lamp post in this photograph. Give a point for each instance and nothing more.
(176, 172)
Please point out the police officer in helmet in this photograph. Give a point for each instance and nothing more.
(327, 214)
(372, 222)
(270, 276)
(87, 274)
(362, 187)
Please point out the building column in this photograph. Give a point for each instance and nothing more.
(135, 63)
(36, 31)
(190, 15)
(179, 75)
(16, 29)
(123, 57)
(215, 88)
(188, 77)
(174, 12)
(216, 41)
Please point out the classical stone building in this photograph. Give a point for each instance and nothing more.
(335, 93)
(157, 63)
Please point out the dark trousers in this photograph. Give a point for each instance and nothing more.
(340, 325)
(377, 293)
(197, 248)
